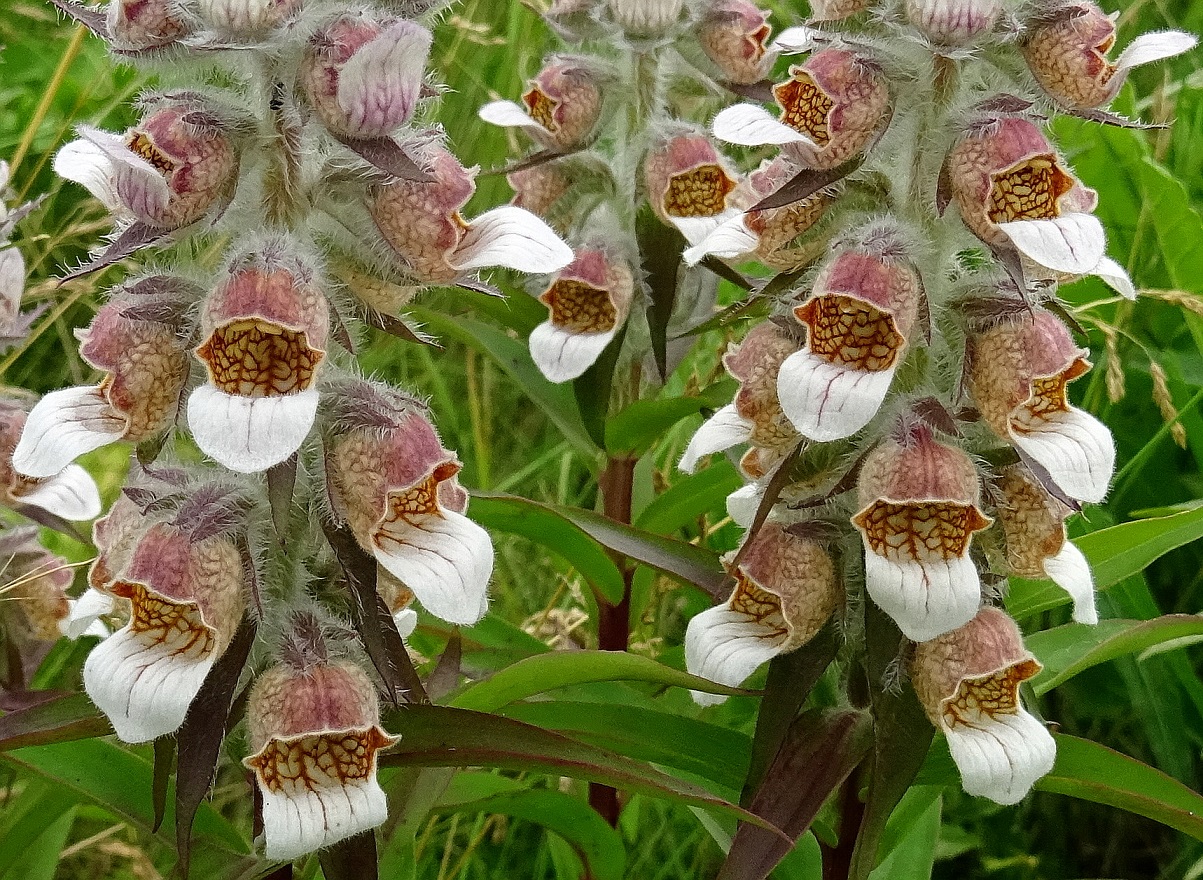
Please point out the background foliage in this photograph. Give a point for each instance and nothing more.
(84, 808)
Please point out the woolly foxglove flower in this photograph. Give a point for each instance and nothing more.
(588, 301)
(755, 416)
(858, 319)
(420, 221)
(247, 18)
(646, 18)
(953, 22)
(315, 732)
(186, 601)
(84, 615)
(733, 33)
(690, 185)
(141, 25)
(68, 491)
(265, 331)
(769, 234)
(831, 109)
(168, 171)
(1033, 522)
(1066, 47)
(540, 188)
(135, 338)
(1018, 371)
(919, 510)
(785, 590)
(398, 598)
(33, 591)
(1013, 190)
(561, 107)
(968, 682)
(363, 76)
(395, 485)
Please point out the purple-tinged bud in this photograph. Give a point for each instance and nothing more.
(538, 189)
(395, 485)
(918, 511)
(187, 599)
(588, 301)
(690, 185)
(836, 10)
(421, 222)
(733, 33)
(646, 18)
(968, 682)
(832, 107)
(858, 319)
(1033, 523)
(1017, 373)
(139, 25)
(314, 734)
(363, 77)
(248, 18)
(755, 416)
(953, 22)
(561, 107)
(265, 330)
(67, 491)
(136, 340)
(785, 591)
(1066, 47)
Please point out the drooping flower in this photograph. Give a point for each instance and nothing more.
(135, 338)
(588, 301)
(398, 598)
(395, 485)
(314, 735)
(68, 492)
(770, 234)
(561, 107)
(918, 511)
(265, 330)
(646, 18)
(755, 416)
(785, 590)
(168, 171)
(186, 599)
(247, 19)
(831, 109)
(1033, 522)
(733, 33)
(1017, 372)
(1066, 47)
(968, 682)
(858, 319)
(363, 75)
(953, 22)
(420, 221)
(690, 185)
(115, 536)
(1014, 190)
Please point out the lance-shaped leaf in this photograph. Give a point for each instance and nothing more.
(164, 764)
(384, 153)
(821, 749)
(593, 389)
(805, 184)
(132, 239)
(281, 481)
(62, 719)
(660, 249)
(351, 859)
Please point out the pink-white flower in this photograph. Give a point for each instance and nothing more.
(395, 485)
(421, 222)
(68, 492)
(1017, 373)
(690, 185)
(785, 590)
(587, 302)
(968, 682)
(919, 509)
(953, 22)
(1066, 47)
(265, 330)
(732, 33)
(561, 107)
(314, 734)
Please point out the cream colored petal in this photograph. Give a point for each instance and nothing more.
(1001, 758)
(726, 646)
(925, 599)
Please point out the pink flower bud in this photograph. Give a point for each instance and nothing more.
(1033, 522)
(539, 189)
(363, 77)
(588, 301)
(186, 597)
(836, 10)
(733, 34)
(1017, 372)
(953, 22)
(395, 485)
(314, 735)
(968, 682)
(421, 222)
(1066, 47)
(138, 25)
(646, 18)
(265, 330)
(785, 591)
(831, 109)
(248, 18)
(561, 107)
(919, 510)
(689, 185)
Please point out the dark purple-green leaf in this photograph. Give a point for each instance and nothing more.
(351, 859)
(59, 720)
